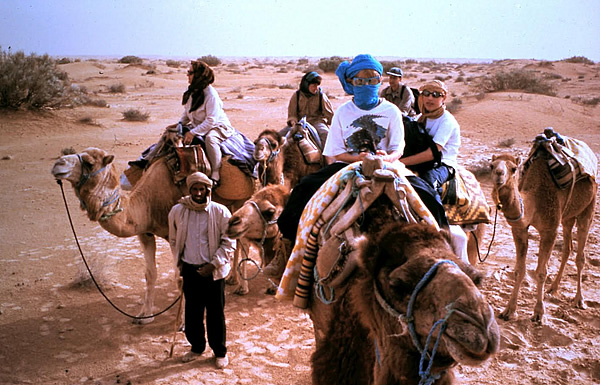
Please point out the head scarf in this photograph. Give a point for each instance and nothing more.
(308, 79)
(433, 85)
(192, 179)
(203, 77)
(365, 97)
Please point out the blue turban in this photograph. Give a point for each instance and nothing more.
(348, 70)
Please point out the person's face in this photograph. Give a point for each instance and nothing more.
(198, 192)
(313, 88)
(190, 74)
(372, 75)
(394, 81)
(430, 101)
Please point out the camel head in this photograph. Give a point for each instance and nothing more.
(267, 144)
(404, 261)
(79, 169)
(504, 167)
(257, 218)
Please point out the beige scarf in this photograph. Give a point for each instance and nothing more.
(433, 85)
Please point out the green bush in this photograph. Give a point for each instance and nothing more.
(519, 79)
(31, 82)
(130, 60)
(211, 60)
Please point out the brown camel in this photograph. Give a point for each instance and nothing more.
(255, 222)
(281, 160)
(407, 285)
(531, 198)
(142, 212)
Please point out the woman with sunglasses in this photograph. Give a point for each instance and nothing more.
(441, 125)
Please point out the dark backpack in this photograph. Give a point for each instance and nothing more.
(418, 140)
(415, 92)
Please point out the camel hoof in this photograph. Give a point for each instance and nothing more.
(241, 291)
(142, 321)
(580, 304)
(270, 291)
(506, 315)
(538, 318)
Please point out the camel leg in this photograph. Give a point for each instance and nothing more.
(567, 226)
(242, 284)
(521, 239)
(474, 241)
(547, 239)
(584, 222)
(148, 243)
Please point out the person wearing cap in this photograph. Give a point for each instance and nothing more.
(441, 125)
(311, 102)
(202, 251)
(398, 93)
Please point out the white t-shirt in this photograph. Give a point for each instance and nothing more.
(445, 131)
(385, 120)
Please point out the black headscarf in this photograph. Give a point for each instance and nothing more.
(203, 77)
(309, 78)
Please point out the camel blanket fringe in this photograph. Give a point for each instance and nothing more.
(303, 256)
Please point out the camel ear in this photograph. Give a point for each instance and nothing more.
(494, 157)
(518, 160)
(107, 159)
(360, 245)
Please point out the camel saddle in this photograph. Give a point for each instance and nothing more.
(305, 136)
(463, 199)
(569, 160)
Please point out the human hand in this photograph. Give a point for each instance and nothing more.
(206, 270)
(178, 279)
(188, 137)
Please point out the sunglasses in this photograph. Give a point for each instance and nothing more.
(435, 94)
(364, 81)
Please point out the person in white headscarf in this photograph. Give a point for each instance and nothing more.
(202, 251)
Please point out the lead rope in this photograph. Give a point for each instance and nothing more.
(92, 275)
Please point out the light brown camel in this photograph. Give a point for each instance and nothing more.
(256, 222)
(143, 212)
(281, 160)
(531, 198)
(408, 284)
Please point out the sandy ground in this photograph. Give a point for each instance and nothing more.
(53, 330)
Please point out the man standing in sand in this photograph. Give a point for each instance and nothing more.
(202, 251)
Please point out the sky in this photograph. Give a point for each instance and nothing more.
(418, 29)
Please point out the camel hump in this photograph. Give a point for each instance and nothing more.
(235, 184)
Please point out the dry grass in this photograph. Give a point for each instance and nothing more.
(135, 115)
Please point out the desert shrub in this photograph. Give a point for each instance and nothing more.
(211, 60)
(454, 105)
(579, 59)
(173, 63)
(460, 79)
(134, 115)
(68, 151)
(519, 79)
(117, 88)
(303, 60)
(330, 64)
(586, 101)
(32, 82)
(481, 168)
(387, 64)
(130, 60)
(87, 120)
(64, 60)
(96, 103)
(507, 143)
(286, 86)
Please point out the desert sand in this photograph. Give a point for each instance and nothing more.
(55, 328)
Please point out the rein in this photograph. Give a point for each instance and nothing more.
(409, 320)
(90, 271)
(482, 260)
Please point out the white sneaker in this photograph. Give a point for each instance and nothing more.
(190, 356)
(222, 362)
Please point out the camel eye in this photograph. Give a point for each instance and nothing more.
(273, 145)
(269, 214)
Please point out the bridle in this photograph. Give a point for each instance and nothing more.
(272, 156)
(409, 321)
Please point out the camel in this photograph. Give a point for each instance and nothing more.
(531, 198)
(143, 212)
(282, 160)
(408, 285)
(256, 222)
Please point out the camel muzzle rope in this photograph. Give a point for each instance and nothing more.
(92, 275)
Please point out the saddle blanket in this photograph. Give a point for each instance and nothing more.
(312, 212)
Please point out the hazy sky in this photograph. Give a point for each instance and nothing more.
(483, 29)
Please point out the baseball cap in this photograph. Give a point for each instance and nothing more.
(395, 71)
